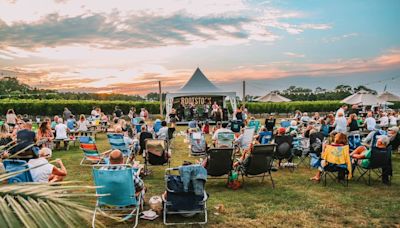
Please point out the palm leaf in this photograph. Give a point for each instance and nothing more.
(44, 205)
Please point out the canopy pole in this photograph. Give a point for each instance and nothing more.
(160, 93)
(244, 94)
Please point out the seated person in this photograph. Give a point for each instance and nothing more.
(263, 132)
(362, 153)
(71, 122)
(144, 134)
(281, 138)
(61, 133)
(222, 129)
(339, 140)
(25, 138)
(117, 162)
(393, 133)
(46, 172)
(163, 132)
(217, 126)
(293, 127)
(128, 141)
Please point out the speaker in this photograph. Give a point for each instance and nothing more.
(225, 114)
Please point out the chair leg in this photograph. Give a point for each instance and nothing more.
(272, 180)
(369, 176)
(94, 217)
(262, 179)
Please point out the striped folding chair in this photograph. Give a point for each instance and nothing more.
(90, 152)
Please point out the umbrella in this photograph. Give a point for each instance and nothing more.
(273, 97)
(387, 96)
(364, 98)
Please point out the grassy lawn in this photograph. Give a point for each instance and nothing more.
(295, 201)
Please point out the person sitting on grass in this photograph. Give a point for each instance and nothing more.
(44, 171)
(117, 163)
(339, 140)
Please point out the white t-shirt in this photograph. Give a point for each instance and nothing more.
(162, 133)
(340, 125)
(392, 121)
(384, 121)
(42, 173)
(215, 136)
(11, 118)
(61, 131)
(94, 113)
(371, 123)
(82, 126)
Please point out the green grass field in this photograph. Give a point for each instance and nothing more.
(295, 202)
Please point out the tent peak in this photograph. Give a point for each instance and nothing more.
(199, 83)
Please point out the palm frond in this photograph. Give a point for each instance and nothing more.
(44, 205)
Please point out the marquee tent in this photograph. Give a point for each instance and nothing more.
(364, 98)
(273, 97)
(387, 96)
(199, 85)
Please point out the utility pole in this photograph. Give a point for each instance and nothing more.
(244, 94)
(161, 105)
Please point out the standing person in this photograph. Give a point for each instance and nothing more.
(342, 109)
(11, 118)
(44, 171)
(384, 120)
(238, 114)
(82, 124)
(118, 112)
(132, 113)
(163, 132)
(5, 136)
(370, 122)
(45, 135)
(66, 114)
(340, 123)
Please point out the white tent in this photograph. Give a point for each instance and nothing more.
(273, 97)
(364, 98)
(387, 96)
(199, 85)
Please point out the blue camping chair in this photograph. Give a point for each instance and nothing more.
(265, 137)
(117, 143)
(116, 192)
(157, 125)
(136, 122)
(285, 124)
(354, 141)
(254, 124)
(17, 165)
(177, 201)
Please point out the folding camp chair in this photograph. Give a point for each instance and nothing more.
(339, 172)
(354, 141)
(219, 162)
(117, 142)
(156, 153)
(285, 124)
(90, 152)
(225, 139)
(259, 163)
(380, 165)
(116, 194)
(17, 165)
(254, 124)
(198, 145)
(265, 137)
(247, 139)
(179, 202)
(157, 125)
(136, 122)
(26, 153)
(301, 150)
(236, 125)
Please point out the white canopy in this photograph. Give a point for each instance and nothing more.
(199, 85)
(273, 97)
(387, 96)
(364, 98)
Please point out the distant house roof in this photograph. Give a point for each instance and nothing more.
(273, 97)
(199, 83)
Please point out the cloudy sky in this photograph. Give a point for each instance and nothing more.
(126, 46)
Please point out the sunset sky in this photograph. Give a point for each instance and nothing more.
(126, 46)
